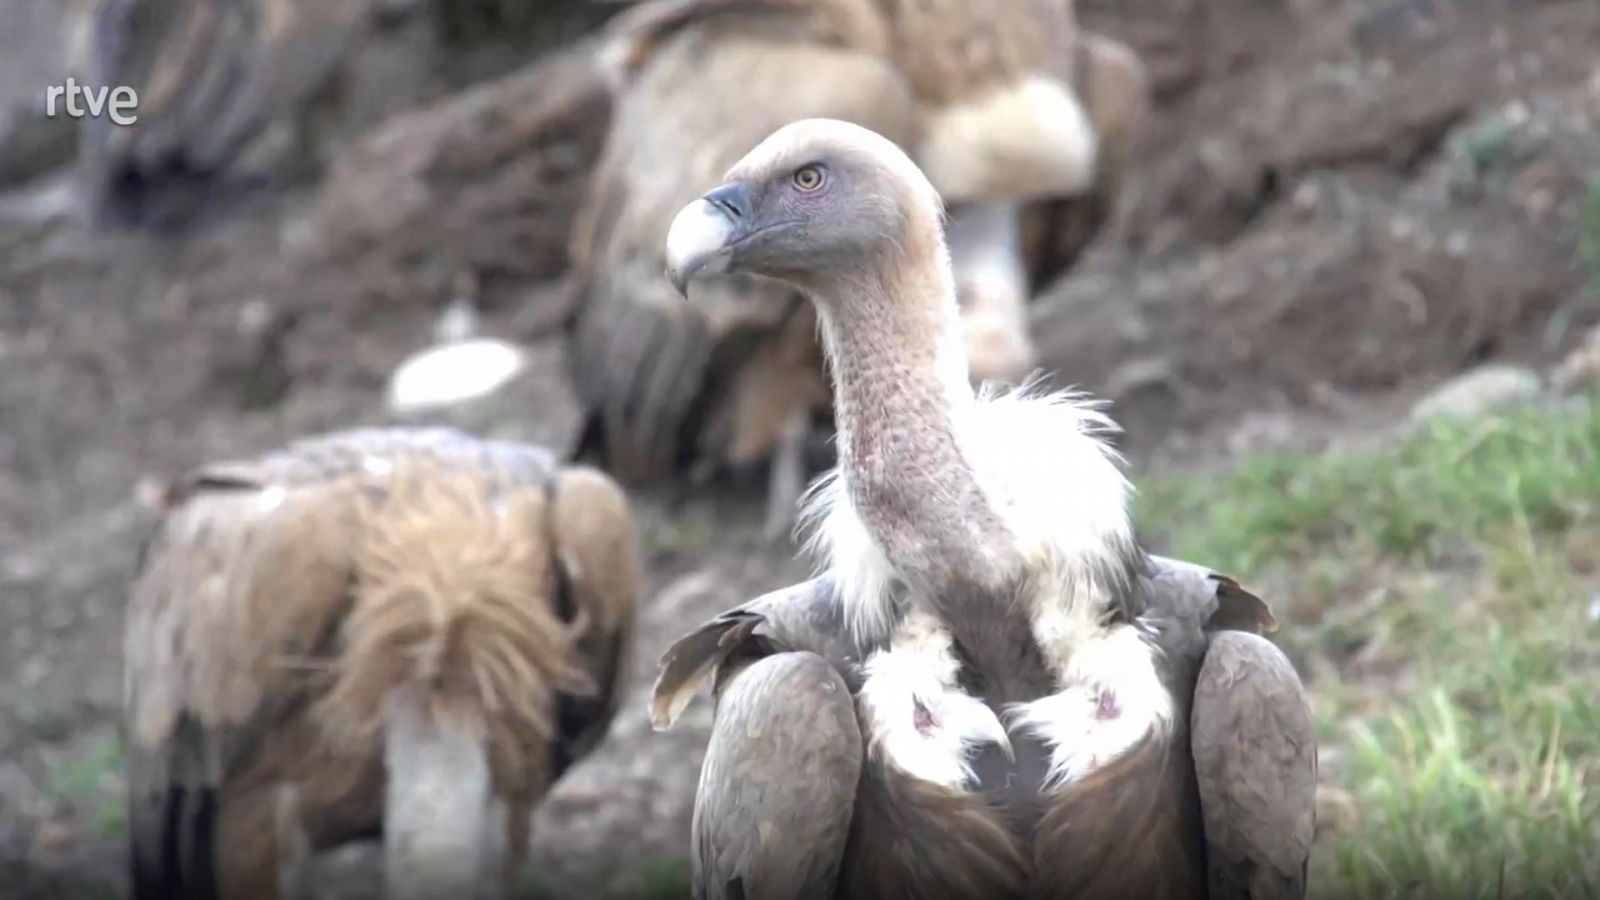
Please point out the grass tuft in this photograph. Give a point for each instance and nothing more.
(658, 880)
(88, 780)
(1458, 485)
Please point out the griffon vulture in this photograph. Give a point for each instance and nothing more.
(990, 690)
(1006, 104)
(405, 633)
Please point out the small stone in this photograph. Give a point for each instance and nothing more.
(492, 388)
(1478, 392)
(454, 373)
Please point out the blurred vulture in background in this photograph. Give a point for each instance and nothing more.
(1024, 123)
(212, 77)
(405, 633)
(230, 90)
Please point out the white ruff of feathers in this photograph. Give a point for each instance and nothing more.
(1043, 463)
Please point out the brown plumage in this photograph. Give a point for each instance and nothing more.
(727, 382)
(1226, 813)
(1043, 709)
(406, 632)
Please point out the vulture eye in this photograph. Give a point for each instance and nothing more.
(808, 178)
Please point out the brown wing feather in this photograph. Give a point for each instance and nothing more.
(634, 36)
(597, 554)
(327, 458)
(777, 788)
(652, 368)
(776, 796)
(1251, 736)
(1255, 756)
(803, 617)
(198, 680)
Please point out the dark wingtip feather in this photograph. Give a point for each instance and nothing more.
(691, 659)
(1240, 610)
(173, 857)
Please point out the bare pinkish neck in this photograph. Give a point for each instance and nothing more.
(901, 397)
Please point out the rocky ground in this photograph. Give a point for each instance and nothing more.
(1342, 206)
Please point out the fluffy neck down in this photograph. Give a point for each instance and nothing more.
(940, 491)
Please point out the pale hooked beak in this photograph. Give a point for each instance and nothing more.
(704, 234)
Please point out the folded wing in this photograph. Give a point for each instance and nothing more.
(1255, 757)
(777, 788)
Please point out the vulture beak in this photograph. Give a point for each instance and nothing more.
(705, 234)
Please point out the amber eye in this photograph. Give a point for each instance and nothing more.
(808, 178)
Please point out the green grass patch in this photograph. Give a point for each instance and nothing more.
(1482, 155)
(1437, 594)
(660, 880)
(1458, 485)
(89, 780)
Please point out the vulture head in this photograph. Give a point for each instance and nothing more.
(818, 200)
